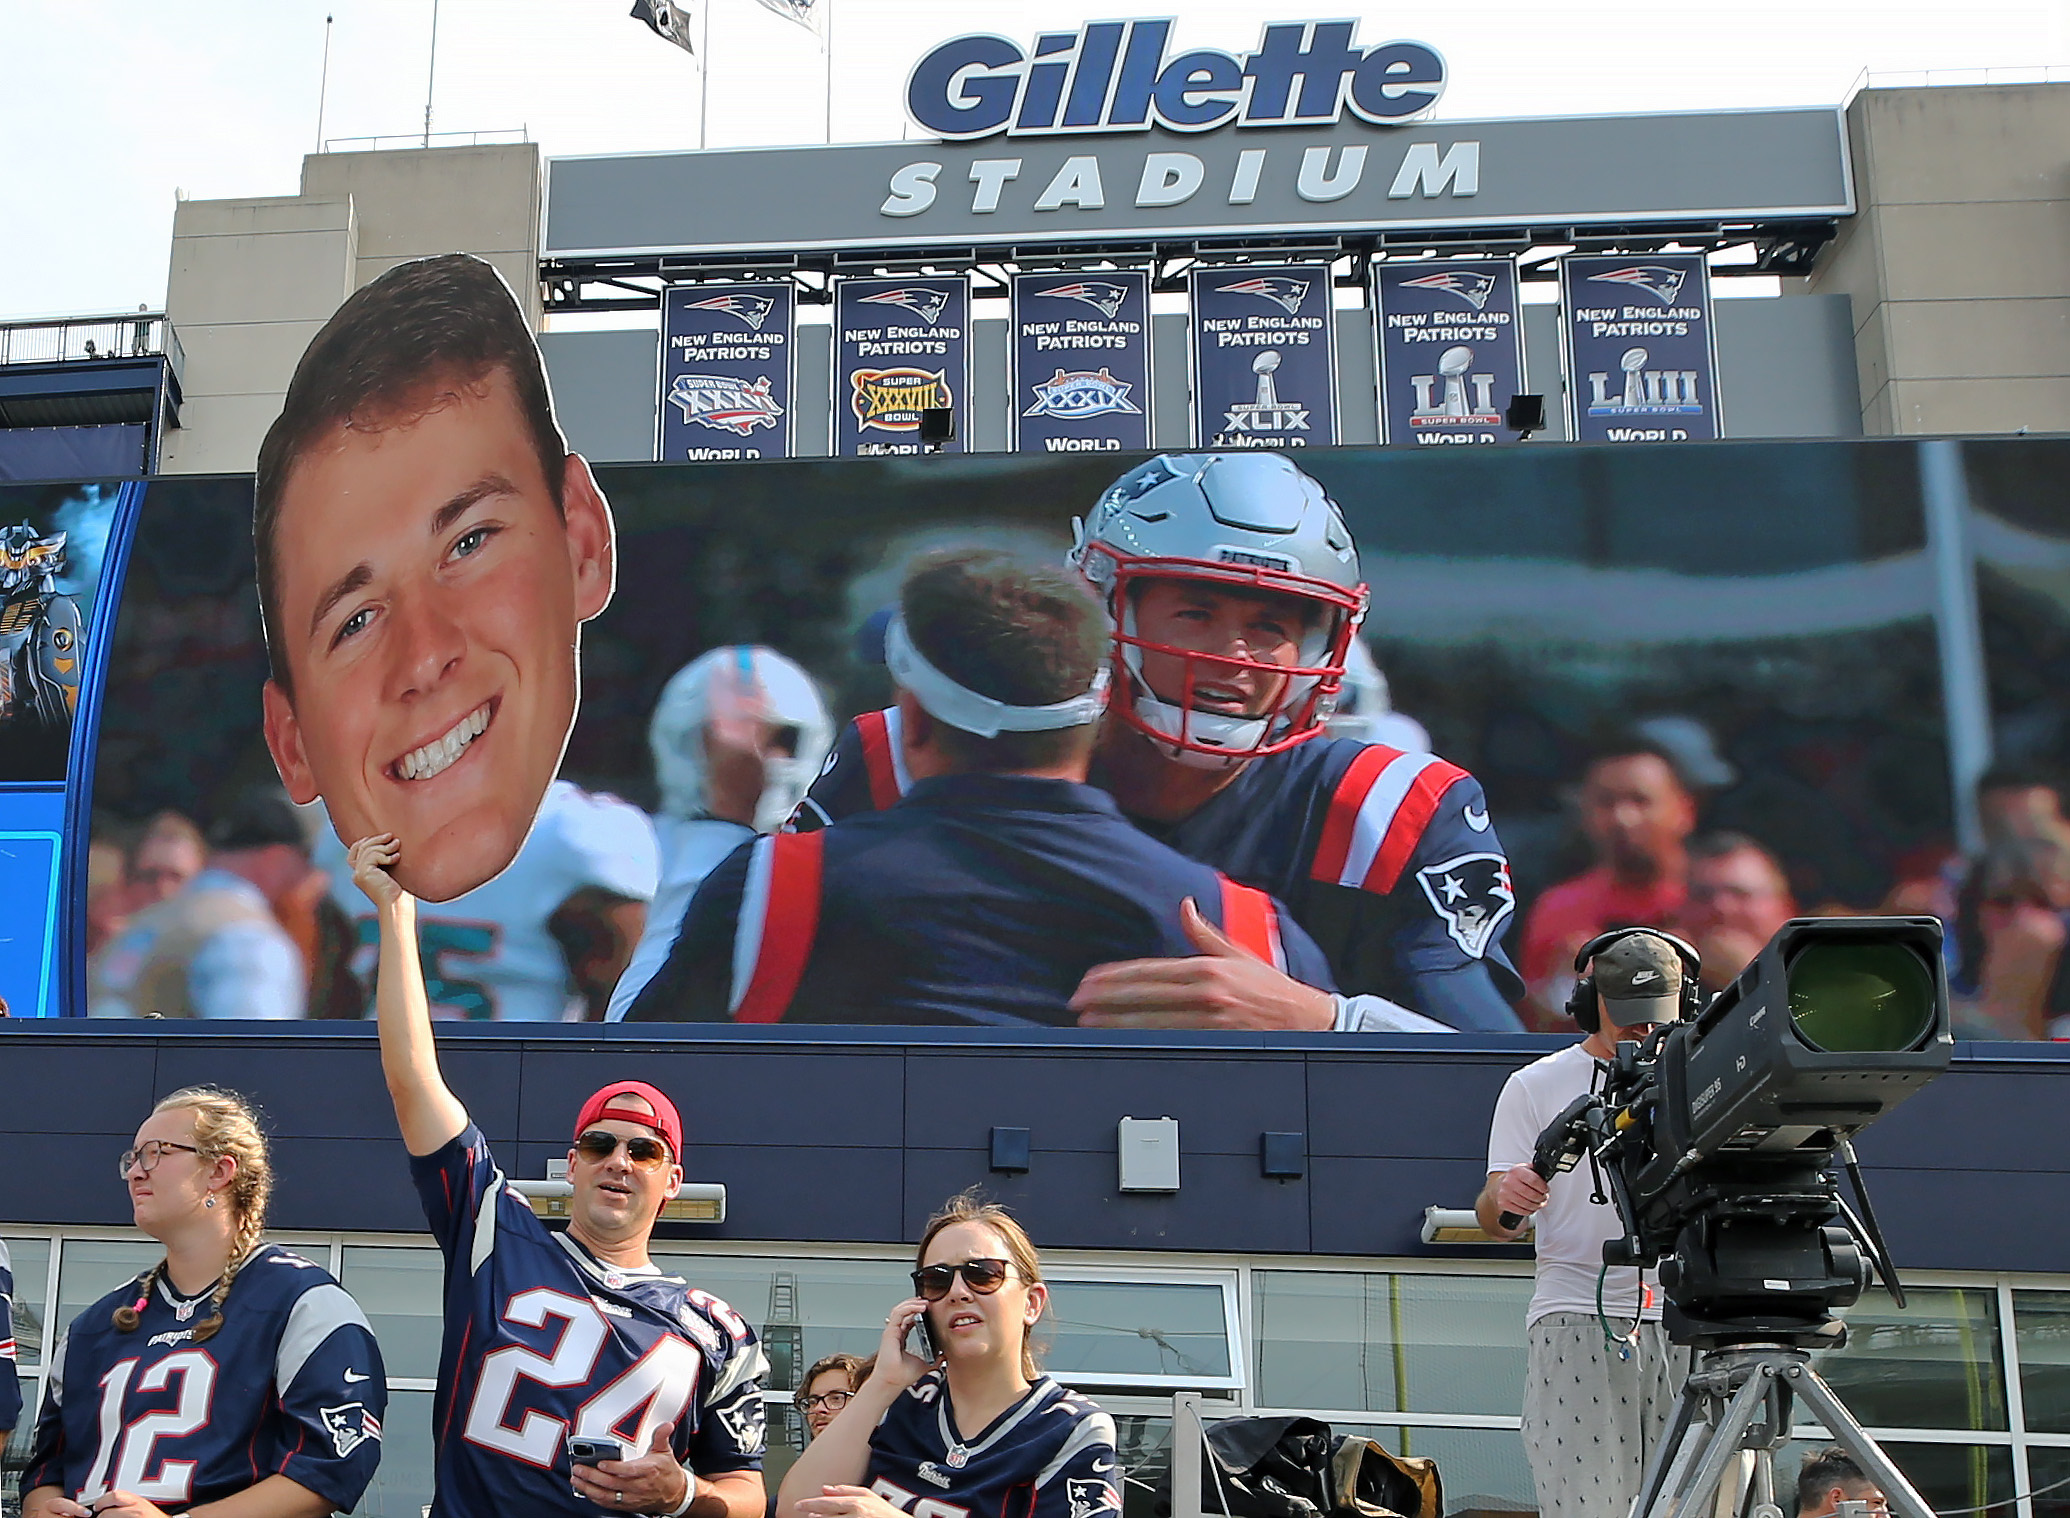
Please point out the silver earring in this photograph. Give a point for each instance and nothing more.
(210, 1202)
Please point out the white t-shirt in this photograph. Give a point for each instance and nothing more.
(691, 848)
(488, 955)
(1572, 1229)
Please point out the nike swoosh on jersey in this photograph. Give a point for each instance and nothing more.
(353, 1375)
(1478, 821)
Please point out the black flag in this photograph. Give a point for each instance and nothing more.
(666, 20)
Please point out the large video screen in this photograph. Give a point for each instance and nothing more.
(1696, 686)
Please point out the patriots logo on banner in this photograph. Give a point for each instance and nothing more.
(1662, 284)
(1469, 285)
(1091, 1496)
(1285, 292)
(752, 309)
(725, 403)
(1101, 296)
(1077, 394)
(350, 1425)
(1474, 897)
(923, 302)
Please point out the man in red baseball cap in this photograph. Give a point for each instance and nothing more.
(575, 1375)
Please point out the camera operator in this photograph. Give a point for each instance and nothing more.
(1601, 1378)
(1830, 1478)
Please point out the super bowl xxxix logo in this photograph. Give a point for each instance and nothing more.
(1115, 76)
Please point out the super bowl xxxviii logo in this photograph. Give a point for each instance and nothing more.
(725, 402)
(891, 400)
(1075, 394)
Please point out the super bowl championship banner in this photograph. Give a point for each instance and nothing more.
(1264, 357)
(1641, 363)
(901, 347)
(1451, 349)
(1081, 362)
(727, 371)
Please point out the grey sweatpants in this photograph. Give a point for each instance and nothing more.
(1591, 1420)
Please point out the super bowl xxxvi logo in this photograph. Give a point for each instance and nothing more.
(725, 403)
(891, 400)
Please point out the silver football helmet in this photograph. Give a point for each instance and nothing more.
(787, 696)
(1244, 521)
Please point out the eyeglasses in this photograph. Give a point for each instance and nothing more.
(144, 1159)
(832, 1401)
(982, 1276)
(646, 1153)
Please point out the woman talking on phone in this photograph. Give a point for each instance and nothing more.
(232, 1379)
(970, 1425)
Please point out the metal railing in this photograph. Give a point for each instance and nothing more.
(393, 140)
(1915, 79)
(137, 334)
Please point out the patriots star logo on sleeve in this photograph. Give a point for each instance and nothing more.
(350, 1425)
(1473, 896)
(1090, 1496)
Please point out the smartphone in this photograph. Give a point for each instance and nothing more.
(591, 1451)
(920, 1341)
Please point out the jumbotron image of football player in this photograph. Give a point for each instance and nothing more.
(1235, 594)
(42, 651)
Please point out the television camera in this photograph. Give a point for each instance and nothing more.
(1718, 1139)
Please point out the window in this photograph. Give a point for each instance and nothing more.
(2043, 1325)
(1158, 1333)
(31, 1275)
(402, 1293)
(1935, 1364)
(1390, 1343)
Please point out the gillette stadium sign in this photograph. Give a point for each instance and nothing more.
(1110, 134)
(1119, 76)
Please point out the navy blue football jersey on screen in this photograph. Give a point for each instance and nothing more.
(10, 1384)
(976, 899)
(544, 1342)
(290, 1385)
(1050, 1455)
(1387, 859)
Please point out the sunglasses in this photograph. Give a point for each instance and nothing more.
(144, 1159)
(646, 1153)
(982, 1276)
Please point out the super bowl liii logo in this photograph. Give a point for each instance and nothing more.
(1115, 76)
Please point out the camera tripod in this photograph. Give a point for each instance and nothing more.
(1737, 1399)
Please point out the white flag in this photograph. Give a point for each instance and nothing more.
(806, 13)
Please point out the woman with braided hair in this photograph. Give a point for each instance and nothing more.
(232, 1379)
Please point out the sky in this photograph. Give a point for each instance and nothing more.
(112, 112)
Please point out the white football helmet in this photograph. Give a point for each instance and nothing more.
(1365, 708)
(1245, 521)
(790, 699)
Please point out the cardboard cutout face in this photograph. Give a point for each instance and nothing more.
(430, 597)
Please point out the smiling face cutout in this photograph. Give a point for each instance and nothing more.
(427, 603)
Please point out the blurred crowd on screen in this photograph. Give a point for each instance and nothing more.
(251, 913)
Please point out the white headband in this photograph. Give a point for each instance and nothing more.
(982, 716)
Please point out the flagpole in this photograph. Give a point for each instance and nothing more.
(826, 44)
(322, 93)
(430, 78)
(704, 69)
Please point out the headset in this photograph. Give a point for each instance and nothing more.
(1581, 1001)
